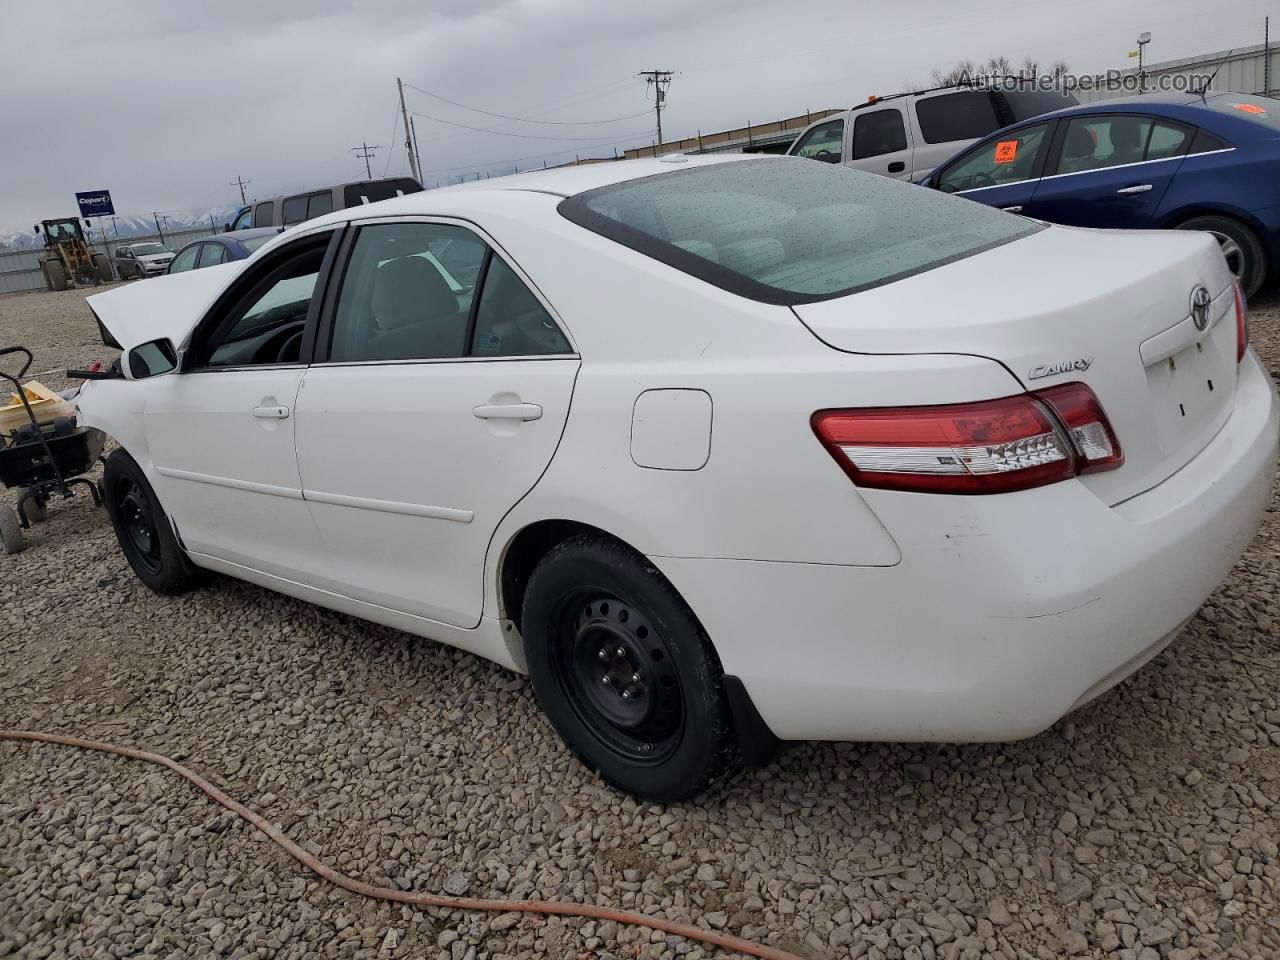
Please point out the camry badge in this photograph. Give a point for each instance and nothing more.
(1200, 301)
(1080, 364)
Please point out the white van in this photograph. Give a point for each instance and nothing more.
(905, 136)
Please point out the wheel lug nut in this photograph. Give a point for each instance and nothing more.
(604, 653)
(621, 651)
(605, 680)
(631, 693)
(626, 694)
(635, 678)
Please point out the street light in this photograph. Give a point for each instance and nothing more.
(1143, 39)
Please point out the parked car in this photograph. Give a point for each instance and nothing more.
(221, 248)
(723, 451)
(143, 259)
(300, 207)
(1173, 161)
(906, 135)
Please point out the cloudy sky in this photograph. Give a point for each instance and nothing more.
(165, 103)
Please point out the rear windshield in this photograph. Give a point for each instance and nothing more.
(1263, 110)
(788, 231)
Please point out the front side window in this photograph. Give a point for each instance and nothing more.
(877, 133)
(294, 210)
(212, 254)
(399, 301)
(263, 213)
(957, 116)
(1002, 160)
(264, 323)
(781, 231)
(823, 142)
(244, 221)
(186, 260)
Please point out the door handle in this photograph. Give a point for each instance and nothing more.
(897, 166)
(507, 411)
(1016, 208)
(1137, 188)
(279, 412)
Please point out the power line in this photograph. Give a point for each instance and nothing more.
(660, 80)
(504, 133)
(395, 125)
(537, 156)
(504, 116)
(364, 152)
(238, 182)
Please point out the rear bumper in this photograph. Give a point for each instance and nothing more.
(1006, 611)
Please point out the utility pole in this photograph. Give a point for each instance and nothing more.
(413, 132)
(1266, 56)
(408, 135)
(157, 217)
(238, 182)
(659, 80)
(364, 152)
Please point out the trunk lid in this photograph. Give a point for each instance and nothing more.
(1109, 308)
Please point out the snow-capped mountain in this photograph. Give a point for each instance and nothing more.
(130, 225)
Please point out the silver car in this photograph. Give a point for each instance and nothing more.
(144, 259)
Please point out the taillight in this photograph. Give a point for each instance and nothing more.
(994, 446)
(1242, 323)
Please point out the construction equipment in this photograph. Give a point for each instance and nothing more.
(68, 259)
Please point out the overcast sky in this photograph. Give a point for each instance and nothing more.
(165, 103)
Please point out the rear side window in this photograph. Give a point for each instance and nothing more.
(821, 143)
(263, 213)
(319, 204)
(1167, 140)
(780, 231)
(295, 210)
(878, 132)
(510, 320)
(1205, 142)
(957, 116)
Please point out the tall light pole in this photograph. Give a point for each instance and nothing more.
(1143, 40)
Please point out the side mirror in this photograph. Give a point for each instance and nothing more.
(151, 359)
(37, 229)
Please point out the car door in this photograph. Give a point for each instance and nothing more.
(1003, 171)
(443, 392)
(1111, 170)
(221, 431)
(879, 143)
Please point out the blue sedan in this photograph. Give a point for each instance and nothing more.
(221, 248)
(1181, 161)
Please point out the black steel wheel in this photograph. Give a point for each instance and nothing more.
(625, 672)
(143, 531)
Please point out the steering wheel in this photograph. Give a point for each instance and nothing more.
(293, 343)
(982, 179)
(826, 156)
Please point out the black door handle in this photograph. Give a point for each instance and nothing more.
(897, 166)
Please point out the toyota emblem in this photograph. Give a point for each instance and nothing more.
(1200, 301)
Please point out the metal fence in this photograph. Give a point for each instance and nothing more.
(20, 269)
(1238, 71)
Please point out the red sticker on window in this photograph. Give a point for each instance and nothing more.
(1006, 151)
(1250, 108)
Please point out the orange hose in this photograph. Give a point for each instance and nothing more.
(727, 941)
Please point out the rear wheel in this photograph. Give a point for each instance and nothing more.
(625, 672)
(1241, 247)
(142, 529)
(11, 539)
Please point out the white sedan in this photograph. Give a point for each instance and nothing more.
(722, 452)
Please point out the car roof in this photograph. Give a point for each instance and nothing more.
(247, 234)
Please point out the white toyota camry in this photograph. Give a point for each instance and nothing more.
(722, 452)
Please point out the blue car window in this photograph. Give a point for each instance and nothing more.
(1094, 143)
(1167, 141)
(1004, 159)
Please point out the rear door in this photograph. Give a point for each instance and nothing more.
(1111, 170)
(442, 394)
(879, 143)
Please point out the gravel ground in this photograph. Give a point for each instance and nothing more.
(1142, 827)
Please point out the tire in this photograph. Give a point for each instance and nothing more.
(11, 539)
(35, 511)
(44, 272)
(1244, 252)
(659, 728)
(102, 264)
(142, 529)
(57, 275)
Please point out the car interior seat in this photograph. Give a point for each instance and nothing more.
(417, 312)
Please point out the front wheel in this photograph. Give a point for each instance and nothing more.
(1244, 253)
(145, 535)
(625, 672)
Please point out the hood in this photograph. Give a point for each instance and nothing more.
(165, 307)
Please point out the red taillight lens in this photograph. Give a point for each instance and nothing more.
(995, 446)
(1242, 323)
